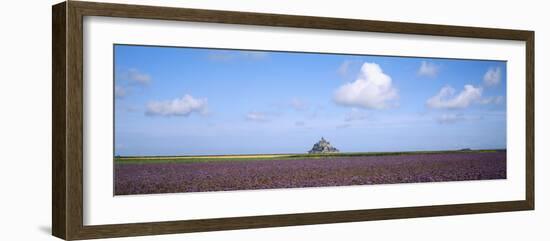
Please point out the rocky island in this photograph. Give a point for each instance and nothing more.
(323, 146)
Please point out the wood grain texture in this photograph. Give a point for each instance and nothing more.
(58, 121)
(67, 136)
(279, 20)
(188, 226)
(74, 129)
(530, 120)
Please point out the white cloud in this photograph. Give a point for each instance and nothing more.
(428, 69)
(450, 118)
(137, 77)
(345, 67)
(355, 115)
(257, 116)
(130, 108)
(120, 91)
(230, 55)
(492, 77)
(129, 79)
(183, 106)
(257, 55)
(447, 99)
(219, 55)
(492, 100)
(343, 126)
(315, 111)
(372, 89)
(298, 104)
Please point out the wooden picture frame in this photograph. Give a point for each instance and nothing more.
(67, 124)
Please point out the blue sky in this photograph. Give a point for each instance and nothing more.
(191, 101)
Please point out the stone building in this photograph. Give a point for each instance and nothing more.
(323, 146)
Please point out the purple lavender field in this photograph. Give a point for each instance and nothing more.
(149, 176)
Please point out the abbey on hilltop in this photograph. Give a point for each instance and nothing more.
(322, 146)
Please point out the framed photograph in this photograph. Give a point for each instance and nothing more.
(171, 120)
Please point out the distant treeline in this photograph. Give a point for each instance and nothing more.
(259, 157)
